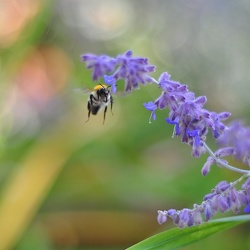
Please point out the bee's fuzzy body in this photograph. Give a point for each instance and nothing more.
(100, 97)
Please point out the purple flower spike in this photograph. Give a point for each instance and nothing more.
(223, 197)
(100, 64)
(192, 122)
(133, 70)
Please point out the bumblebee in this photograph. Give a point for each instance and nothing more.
(100, 97)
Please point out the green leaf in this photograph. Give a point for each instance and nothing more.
(176, 237)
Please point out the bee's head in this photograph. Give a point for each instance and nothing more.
(102, 89)
(100, 86)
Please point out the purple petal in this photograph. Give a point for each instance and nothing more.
(247, 208)
(150, 106)
(110, 80)
(162, 216)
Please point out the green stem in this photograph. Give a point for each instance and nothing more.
(223, 164)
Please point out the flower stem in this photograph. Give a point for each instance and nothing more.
(223, 164)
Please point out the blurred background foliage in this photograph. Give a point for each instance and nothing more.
(66, 184)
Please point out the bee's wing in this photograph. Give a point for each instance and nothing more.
(81, 91)
(87, 91)
(120, 94)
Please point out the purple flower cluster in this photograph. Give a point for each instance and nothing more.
(133, 70)
(219, 154)
(191, 121)
(233, 142)
(224, 197)
(238, 138)
(101, 65)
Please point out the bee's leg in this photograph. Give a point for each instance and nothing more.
(98, 95)
(91, 97)
(89, 108)
(105, 111)
(111, 104)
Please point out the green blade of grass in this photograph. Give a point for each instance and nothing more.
(176, 237)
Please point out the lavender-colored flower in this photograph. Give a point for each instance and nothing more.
(151, 107)
(218, 126)
(222, 203)
(190, 116)
(221, 187)
(162, 216)
(242, 198)
(209, 196)
(133, 70)
(191, 121)
(222, 152)
(185, 218)
(208, 211)
(246, 188)
(100, 64)
(172, 213)
(197, 215)
(110, 80)
(175, 122)
(224, 197)
(235, 200)
(247, 208)
(173, 93)
(237, 137)
(207, 165)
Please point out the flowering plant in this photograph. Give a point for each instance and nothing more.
(191, 122)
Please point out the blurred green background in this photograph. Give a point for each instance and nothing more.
(66, 184)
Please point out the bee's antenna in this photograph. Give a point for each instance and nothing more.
(109, 86)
